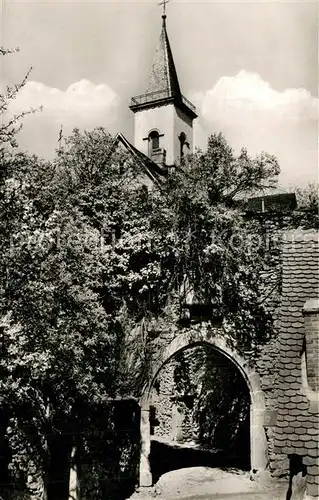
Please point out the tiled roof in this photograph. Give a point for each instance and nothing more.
(163, 75)
(297, 420)
(280, 202)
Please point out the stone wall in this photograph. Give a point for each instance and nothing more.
(104, 464)
(267, 360)
(161, 399)
(267, 367)
(208, 408)
(171, 426)
(311, 319)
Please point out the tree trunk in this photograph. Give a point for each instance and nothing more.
(58, 473)
(5, 455)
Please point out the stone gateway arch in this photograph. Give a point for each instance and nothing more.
(258, 441)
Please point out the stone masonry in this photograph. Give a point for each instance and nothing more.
(284, 408)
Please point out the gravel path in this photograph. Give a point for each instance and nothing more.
(203, 483)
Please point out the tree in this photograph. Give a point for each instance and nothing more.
(10, 125)
(96, 265)
(217, 252)
(59, 342)
(63, 292)
(308, 206)
(307, 198)
(224, 176)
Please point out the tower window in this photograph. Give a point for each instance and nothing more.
(183, 143)
(153, 141)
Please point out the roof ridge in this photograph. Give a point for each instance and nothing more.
(290, 235)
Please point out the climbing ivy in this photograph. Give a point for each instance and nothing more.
(94, 266)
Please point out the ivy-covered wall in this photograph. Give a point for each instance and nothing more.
(106, 460)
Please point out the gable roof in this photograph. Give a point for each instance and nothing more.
(279, 202)
(148, 166)
(297, 419)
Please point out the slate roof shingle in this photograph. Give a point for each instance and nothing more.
(297, 427)
(163, 75)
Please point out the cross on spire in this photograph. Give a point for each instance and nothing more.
(164, 2)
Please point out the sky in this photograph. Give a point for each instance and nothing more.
(251, 68)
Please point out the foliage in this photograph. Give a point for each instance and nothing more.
(217, 416)
(308, 198)
(10, 125)
(307, 214)
(58, 341)
(224, 176)
(108, 456)
(216, 255)
(94, 263)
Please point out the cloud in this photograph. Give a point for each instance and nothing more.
(248, 91)
(245, 107)
(83, 104)
(254, 115)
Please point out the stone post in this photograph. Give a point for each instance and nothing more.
(311, 381)
(145, 467)
(311, 318)
(177, 422)
(73, 482)
(258, 440)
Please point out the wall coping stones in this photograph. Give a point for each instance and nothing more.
(311, 306)
(300, 235)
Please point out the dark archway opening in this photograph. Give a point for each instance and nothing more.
(200, 413)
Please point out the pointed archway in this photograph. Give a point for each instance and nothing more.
(258, 442)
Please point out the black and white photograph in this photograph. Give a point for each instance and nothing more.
(159, 250)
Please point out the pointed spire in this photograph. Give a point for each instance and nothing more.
(163, 85)
(163, 75)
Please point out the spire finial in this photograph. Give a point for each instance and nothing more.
(163, 2)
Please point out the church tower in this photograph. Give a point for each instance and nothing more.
(163, 125)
